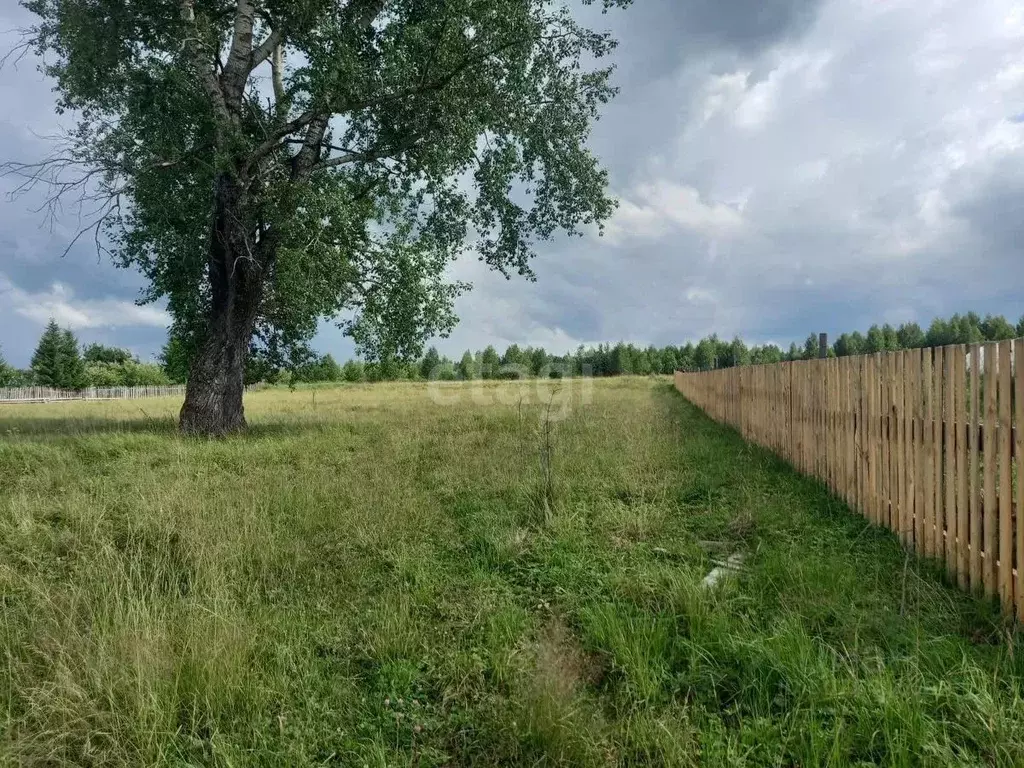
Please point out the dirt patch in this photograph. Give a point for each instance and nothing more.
(563, 666)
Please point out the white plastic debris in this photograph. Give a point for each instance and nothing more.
(732, 565)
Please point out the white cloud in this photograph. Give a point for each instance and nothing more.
(60, 304)
(700, 295)
(751, 104)
(655, 208)
(757, 103)
(722, 91)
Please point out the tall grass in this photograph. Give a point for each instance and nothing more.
(381, 576)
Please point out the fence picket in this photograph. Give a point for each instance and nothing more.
(881, 387)
(829, 435)
(860, 501)
(988, 456)
(880, 504)
(974, 471)
(899, 522)
(1018, 377)
(1006, 538)
(960, 432)
(917, 440)
(938, 436)
(948, 476)
(926, 546)
(914, 457)
(906, 520)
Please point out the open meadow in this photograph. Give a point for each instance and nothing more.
(468, 574)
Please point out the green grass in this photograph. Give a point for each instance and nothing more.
(373, 577)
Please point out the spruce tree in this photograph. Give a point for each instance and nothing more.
(56, 362)
(811, 347)
(890, 338)
(686, 357)
(74, 367)
(47, 359)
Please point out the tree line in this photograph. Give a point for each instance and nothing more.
(709, 353)
(59, 361)
(970, 328)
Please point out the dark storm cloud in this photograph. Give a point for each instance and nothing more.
(993, 207)
(745, 25)
(657, 36)
(666, 47)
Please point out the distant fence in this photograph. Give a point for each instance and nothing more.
(46, 394)
(925, 442)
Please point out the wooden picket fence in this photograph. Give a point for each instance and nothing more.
(48, 394)
(926, 442)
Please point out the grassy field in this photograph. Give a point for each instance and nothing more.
(398, 575)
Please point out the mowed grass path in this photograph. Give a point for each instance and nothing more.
(371, 577)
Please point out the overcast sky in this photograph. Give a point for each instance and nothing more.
(783, 166)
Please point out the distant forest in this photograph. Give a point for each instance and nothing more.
(627, 359)
(59, 361)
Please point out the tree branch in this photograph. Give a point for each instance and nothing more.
(73, 180)
(436, 85)
(271, 47)
(277, 74)
(274, 139)
(238, 65)
(370, 155)
(433, 51)
(362, 12)
(308, 156)
(207, 74)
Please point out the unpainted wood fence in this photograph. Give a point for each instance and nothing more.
(48, 394)
(926, 442)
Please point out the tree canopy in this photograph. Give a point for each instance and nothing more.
(100, 353)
